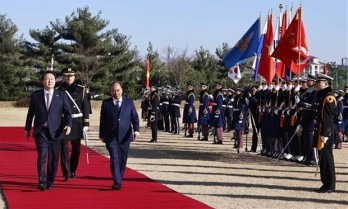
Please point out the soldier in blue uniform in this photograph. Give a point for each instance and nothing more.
(217, 114)
(165, 109)
(80, 109)
(203, 113)
(238, 121)
(189, 114)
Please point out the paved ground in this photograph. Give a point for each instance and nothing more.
(216, 174)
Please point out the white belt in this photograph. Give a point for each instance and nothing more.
(165, 103)
(229, 106)
(201, 104)
(235, 109)
(187, 103)
(76, 115)
(214, 103)
(176, 105)
(344, 106)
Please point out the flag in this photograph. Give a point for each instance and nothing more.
(292, 49)
(266, 68)
(234, 73)
(256, 62)
(325, 69)
(147, 75)
(246, 47)
(280, 31)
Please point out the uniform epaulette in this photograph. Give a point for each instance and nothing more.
(220, 93)
(192, 94)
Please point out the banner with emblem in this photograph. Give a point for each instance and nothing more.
(234, 73)
(245, 48)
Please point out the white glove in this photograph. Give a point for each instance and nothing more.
(152, 118)
(85, 128)
(324, 139)
(297, 88)
(259, 88)
(298, 130)
(297, 99)
(288, 112)
(247, 101)
(276, 111)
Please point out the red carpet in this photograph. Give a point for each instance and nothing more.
(92, 188)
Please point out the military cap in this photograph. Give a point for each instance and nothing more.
(155, 85)
(230, 89)
(346, 86)
(218, 83)
(190, 83)
(68, 71)
(239, 89)
(323, 77)
(303, 79)
(310, 77)
(203, 84)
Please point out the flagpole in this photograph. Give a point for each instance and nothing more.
(299, 13)
(279, 37)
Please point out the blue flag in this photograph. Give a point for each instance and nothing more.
(246, 47)
(258, 53)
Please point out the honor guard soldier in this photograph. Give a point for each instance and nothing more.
(217, 114)
(203, 112)
(324, 117)
(80, 110)
(165, 109)
(189, 114)
(154, 114)
(229, 109)
(345, 113)
(175, 111)
(238, 121)
(339, 126)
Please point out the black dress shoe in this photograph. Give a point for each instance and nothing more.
(66, 178)
(41, 187)
(49, 187)
(73, 175)
(219, 142)
(153, 141)
(116, 186)
(323, 190)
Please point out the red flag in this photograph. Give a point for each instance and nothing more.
(266, 68)
(325, 69)
(293, 50)
(280, 67)
(147, 76)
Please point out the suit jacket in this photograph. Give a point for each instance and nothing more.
(58, 109)
(119, 126)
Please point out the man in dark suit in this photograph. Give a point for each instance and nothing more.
(47, 106)
(119, 125)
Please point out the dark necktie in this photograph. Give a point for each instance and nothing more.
(117, 106)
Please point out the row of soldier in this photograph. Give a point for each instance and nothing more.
(273, 112)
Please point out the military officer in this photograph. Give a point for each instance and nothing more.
(154, 111)
(324, 115)
(189, 114)
(217, 114)
(204, 113)
(80, 110)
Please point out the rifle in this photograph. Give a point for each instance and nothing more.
(85, 137)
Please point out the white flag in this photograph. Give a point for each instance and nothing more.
(234, 73)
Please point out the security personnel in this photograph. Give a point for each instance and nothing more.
(217, 114)
(203, 112)
(154, 111)
(189, 114)
(80, 110)
(324, 116)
